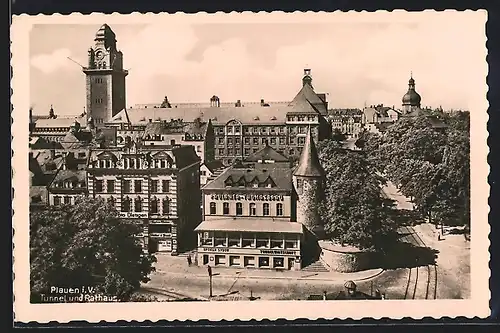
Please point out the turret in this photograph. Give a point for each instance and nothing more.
(308, 179)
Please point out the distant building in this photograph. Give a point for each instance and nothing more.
(155, 186)
(346, 121)
(378, 114)
(411, 100)
(210, 170)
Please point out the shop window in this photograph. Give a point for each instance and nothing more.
(239, 208)
(278, 262)
(220, 259)
(249, 261)
(213, 208)
(234, 260)
(234, 240)
(291, 243)
(263, 261)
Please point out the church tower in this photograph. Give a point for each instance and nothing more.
(411, 100)
(105, 78)
(308, 180)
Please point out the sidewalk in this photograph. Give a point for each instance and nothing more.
(168, 265)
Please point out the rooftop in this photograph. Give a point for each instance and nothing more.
(276, 178)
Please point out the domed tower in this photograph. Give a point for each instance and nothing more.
(308, 179)
(411, 100)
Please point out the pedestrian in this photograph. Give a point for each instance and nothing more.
(189, 260)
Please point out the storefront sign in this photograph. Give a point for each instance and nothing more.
(211, 249)
(282, 252)
(247, 197)
(133, 215)
(159, 234)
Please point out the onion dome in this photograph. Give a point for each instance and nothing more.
(411, 97)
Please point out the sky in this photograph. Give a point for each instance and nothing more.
(355, 63)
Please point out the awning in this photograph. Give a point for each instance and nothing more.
(250, 225)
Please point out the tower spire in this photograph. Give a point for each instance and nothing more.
(309, 164)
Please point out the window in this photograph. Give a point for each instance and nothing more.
(255, 149)
(98, 100)
(302, 140)
(138, 205)
(154, 206)
(249, 261)
(253, 209)
(230, 129)
(234, 260)
(207, 238)
(234, 240)
(172, 142)
(165, 184)
(111, 201)
(154, 186)
(213, 208)
(291, 242)
(225, 208)
(126, 205)
(248, 240)
(264, 140)
(247, 141)
(166, 206)
(264, 129)
(277, 242)
(265, 209)
(278, 262)
(236, 129)
(229, 141)
(221, 151)
(247, 151)
(98, 186)
(239, 208)
(220, 239)
(111, 186)
(57, 200)
(279, 209)
(273, 141)
(220, 259)
(255, 141)
(137, 186)
(126, 186)
(282, 141)
(67, 200)
(221, 141)
(263, 261)
(262, 241)
(292, 140)
(237, 141)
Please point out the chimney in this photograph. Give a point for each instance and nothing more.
(262, 102)
(238, 103)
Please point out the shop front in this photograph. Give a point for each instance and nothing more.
(250, 244)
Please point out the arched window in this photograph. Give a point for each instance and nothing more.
(57, 200)
(279, 209)
(253, 209)
(225, 208)
(138, 205)
(126, 204)
(166, 206)
(239, 208)
(213, 208)
(265, 209)
(154, 205)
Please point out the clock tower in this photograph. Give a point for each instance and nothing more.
(105, 78)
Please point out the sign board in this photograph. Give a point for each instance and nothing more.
(247, 197)
(133, 214)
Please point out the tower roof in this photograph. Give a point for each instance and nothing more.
(411, 97)
(309, 165)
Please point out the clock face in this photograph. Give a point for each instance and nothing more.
(99, 55)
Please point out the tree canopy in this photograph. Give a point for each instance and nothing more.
(86, 244)
(354, 210)
(429, 165)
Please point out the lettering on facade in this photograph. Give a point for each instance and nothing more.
(160, 234)
(248, 197)
(290, 253)
(211, 249)
(133, 215)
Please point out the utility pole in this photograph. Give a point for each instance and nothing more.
(210, 277)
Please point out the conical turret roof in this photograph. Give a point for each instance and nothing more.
(309, 164)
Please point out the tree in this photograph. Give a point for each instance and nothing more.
(354, 210)
(338, 136)
(86, 244)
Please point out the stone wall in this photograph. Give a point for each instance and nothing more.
(345, 259)
(307, 197)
